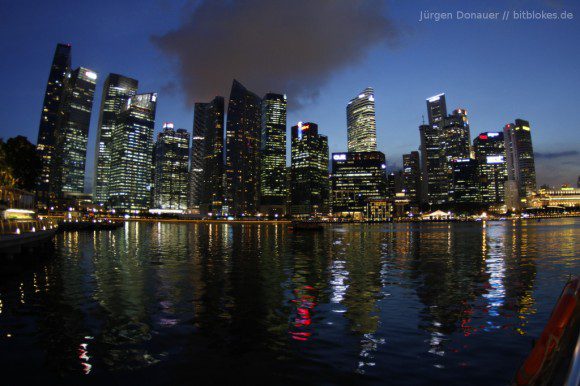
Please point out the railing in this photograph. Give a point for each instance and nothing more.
(18, 227)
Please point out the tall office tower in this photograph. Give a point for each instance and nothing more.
(60, 68)
(437, 110)
(360, 120)
(520, 157)
(465, 182)
(273, 181)
(412, 176)
(72, 132)
(170, 173)
(206, 177)
(116, 91)
(394, 183)
(434, 176)
(455, 136)
(243, 133)
(489, 151)
(309, 185)
(356, 179)
(132, 153)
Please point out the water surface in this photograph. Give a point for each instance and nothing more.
(394, 304)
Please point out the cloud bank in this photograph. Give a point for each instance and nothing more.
(283, 46)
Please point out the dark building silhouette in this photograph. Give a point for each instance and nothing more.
(206, 176)
(72, 133)
(273, 180)
(309, 186)
(60, 67)
(116, 91)
(412, 176)
(464, 182)
(242, 168)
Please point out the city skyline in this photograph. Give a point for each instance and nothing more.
(397, 113)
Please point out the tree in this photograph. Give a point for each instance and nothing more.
(20, 160)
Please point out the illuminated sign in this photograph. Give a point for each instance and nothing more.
(154, 97)
(492, 135)
(339, 157)
(91, 75)
(168, 125)
(482, 136)
(494, 159)
(435, 98)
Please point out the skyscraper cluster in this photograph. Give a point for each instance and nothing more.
(237, 166)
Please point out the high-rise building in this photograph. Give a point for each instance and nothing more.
(171, 163)
(206, 176)
(436, 110)
(116, 91)
(356, 179)
(412, 176)
(360, 119)
(242, 168)
(394, 185)
(465, 182)
(131, 154)
(72, 132)
(273, 180)
(455, 138)
(434, 176)
(489, 151)
(309, 185)
(520, 157)
(60, 68)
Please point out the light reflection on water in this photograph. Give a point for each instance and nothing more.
(445, 303)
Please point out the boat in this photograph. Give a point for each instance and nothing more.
(555, 357)
(305, 226)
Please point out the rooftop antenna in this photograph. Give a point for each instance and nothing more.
(423, 117)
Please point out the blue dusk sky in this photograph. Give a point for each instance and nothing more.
(321, 54)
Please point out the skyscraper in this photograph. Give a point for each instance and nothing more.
(131, 153)
(357, 178)
(434, 175)
(520, 157)
(242, 169)
(206, 177)
(455, 138)
(412, 176)
(360, 119)
(72, 132)
(273, 180)
(60, 68)
(116, 91)
(309, 184)
(489, 151)
(170, 162)
(464, 182)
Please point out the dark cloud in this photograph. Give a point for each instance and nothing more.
(274, 45)
(560, 154)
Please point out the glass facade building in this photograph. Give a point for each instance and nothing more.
(116, 91)
(242, 167)
(360, 120)
(489, 151)
(131, 154)
(170, 163)
(465, 182)
(273, 180)
(309, 185)
(206, 177)
(59, 70)
(72, 132)
(520, 157)
(356, 179)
